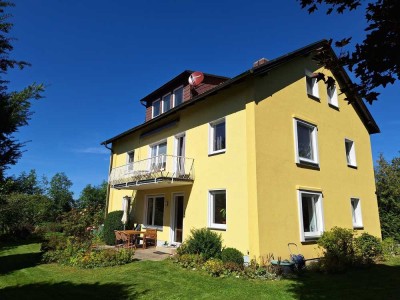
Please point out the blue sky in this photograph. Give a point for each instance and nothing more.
(98, 58)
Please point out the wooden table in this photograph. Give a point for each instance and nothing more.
(131, 234)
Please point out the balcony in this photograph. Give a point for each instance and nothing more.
(155, 172)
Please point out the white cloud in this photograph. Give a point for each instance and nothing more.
(94, 150)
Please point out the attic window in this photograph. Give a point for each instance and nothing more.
(312, 85)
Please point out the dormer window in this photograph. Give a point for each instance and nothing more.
(178, 96)
(166, 103)
(156, 108)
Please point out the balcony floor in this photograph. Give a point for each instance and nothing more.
(156, 183)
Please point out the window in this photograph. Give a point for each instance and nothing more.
(217, 209)
(356, 213)
(166, 103)
(217, 142)
(312, 84)
(332, 96)
(350, 153)
(158, 156)
(306, 142)
(178, 96)
(311, 219)
(156, 108)
(130, 159)
(155, 211)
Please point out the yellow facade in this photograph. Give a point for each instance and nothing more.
(258, 170)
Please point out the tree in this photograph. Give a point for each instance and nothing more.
(59, 192)
(387, 176)
(376, 60)
(93, 196)
(14, 106)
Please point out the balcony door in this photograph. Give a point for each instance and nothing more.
(158, 156)
(180, 141)
(177, 218)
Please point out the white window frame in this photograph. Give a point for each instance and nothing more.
(332, 96)
(313, 91)
(173, 97)
(356, 213)
(310, 236)
(170, 103)
(152, 226)
(351, 155)
(314, 136)
(211, 133)
(211, 211)
(152, 108)
(157, 156)
(129, 168)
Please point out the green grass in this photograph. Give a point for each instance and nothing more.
(22, 276)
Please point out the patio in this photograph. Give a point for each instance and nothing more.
(151, 253)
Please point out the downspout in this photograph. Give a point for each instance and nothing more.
(108, 184)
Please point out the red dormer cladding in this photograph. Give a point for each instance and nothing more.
(210, 81)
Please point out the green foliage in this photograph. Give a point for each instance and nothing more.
(54, 241)
(60, 193)
(214, 267)
(93, 196)
(390, 247)
(21, 213)
(73, 252)
(189, 261)
(111, 223)
(387, 175)
(373, 66)
(204, 242)
(342, 250)
(78, 223)
(368, 248)
(232, 255)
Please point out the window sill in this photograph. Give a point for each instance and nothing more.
(335, 107)
(352, 166)
(308, 165)
(358, 227)
(217, 227)
(217, 152)
(313, 97)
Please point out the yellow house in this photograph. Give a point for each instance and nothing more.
(269, 157)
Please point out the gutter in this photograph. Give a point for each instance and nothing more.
(108, 185)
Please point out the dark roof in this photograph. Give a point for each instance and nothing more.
(182, 77)
(358, 103)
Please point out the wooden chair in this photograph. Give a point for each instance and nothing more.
(150, 237)
(118, 239)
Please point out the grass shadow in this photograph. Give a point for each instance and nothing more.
(10, 263)
(68, 290)
(377, 282)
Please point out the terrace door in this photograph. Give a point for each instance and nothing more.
(180, 155)
(177, 220)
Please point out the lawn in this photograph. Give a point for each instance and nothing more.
(22, 276)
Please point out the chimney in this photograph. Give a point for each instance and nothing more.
(260, 62)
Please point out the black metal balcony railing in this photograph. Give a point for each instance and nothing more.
(155, 169)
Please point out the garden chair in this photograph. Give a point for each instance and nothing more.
(150, 237)
(118, 239)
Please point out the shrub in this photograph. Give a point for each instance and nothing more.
(368, 248)
(390, 247)
(338, 249)
(54, 241)
(111, 223)
(232, 268)
(190, 260)
(232, 255)
(204, 242)
(214, 267)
